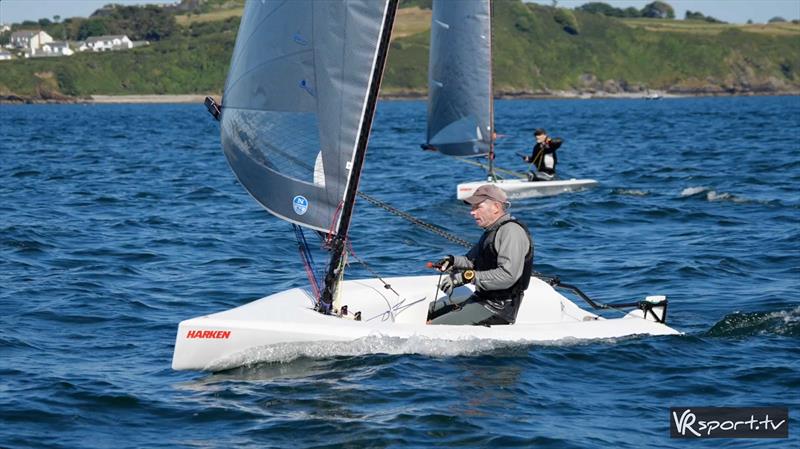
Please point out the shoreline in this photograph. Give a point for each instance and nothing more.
(574, 95)
(135, 99)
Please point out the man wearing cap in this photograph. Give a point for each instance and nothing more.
(499, 266)
(543, 156)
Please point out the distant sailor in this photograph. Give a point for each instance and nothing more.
(499, 266)
(543, 157)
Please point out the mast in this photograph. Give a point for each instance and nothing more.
(335, 267)
(491, 176)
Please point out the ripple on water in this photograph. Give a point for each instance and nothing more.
(738, 324)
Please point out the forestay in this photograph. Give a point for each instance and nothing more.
(295, 100)
(460, 78)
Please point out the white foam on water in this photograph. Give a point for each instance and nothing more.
(788, 316)
(782, 322)
(691, 191)
(712, 195)
(632, 192)
(373, 344)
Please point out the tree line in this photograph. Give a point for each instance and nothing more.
(147, 22)
(655, 10)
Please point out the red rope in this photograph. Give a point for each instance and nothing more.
(329, 236)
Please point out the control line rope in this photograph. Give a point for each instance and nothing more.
(423, 224)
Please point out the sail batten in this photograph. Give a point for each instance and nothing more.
(459, 78)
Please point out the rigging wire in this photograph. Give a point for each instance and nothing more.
(386, 285)
(423, 224)
(515, 174)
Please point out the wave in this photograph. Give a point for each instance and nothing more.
(630, 192)
(713, 195)
(692, 191)
(384, 345)
(375, 344)
(26, 173)
(785, 323)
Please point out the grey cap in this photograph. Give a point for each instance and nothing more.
(487, 192)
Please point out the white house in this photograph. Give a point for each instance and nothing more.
(55, 48)
(106, 43)
(4, 55)
(4, 28)
(31, 40)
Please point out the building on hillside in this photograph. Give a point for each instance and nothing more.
(55, 48)
(4, 55)
(31, 40)
(4, 28)
(108, 43)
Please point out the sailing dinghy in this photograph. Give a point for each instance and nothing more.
(518, 189)
(297, 111)
(460, 98)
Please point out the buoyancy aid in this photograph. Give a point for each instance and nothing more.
(504, 302)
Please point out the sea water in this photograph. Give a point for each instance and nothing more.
(119, 221)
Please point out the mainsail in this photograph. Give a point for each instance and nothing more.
(460, 119)
(296, 105)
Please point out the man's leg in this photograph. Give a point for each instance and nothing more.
(442, 306)
(468, 312)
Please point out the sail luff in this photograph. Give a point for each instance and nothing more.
(339, 240)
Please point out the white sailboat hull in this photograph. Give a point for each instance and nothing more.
(243, 335)
(520, 189)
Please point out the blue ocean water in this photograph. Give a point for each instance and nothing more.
(118, 221)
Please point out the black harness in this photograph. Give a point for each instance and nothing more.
(487, 260)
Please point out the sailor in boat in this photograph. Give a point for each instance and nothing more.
(543, 157)
(499, 266)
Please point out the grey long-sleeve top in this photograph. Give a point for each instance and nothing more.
(512, 245)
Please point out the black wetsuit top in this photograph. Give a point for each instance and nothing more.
(505, 302)
(549, 146)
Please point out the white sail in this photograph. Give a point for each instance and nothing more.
(295, 101)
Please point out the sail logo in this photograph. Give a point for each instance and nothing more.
(307, 87)
(213, 335)
(298, 38)
(300, 205)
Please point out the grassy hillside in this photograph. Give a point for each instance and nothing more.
(533, 54)
(196, 61)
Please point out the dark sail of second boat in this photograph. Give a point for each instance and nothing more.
(460, 116)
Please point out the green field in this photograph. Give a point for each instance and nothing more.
(533, 55)
(700, 27)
